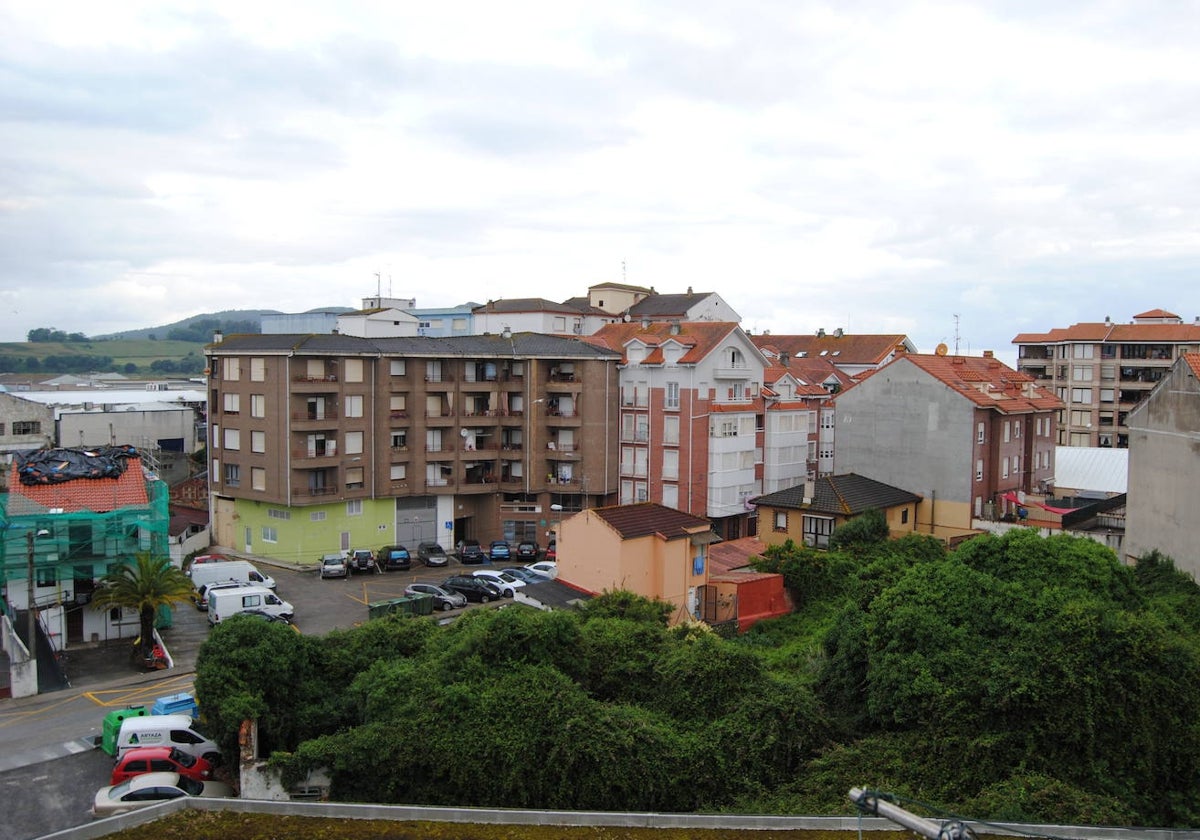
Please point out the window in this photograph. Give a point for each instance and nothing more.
(233, 475)
(1017, 429)
(1082, 351)
(233, 403)
(353, 370)
(628, 421)
(1081, 395)
(258, 478)
(233, 439)
(27, 427)
(1081, 373)
(817, 530)
(1016, 465)
(670, 495)
(670, 465)
(979, 434)
(354, 405)
(258, 369)
(258, 441)
(640, 493)
(1007, 432)
(560, 324)
(671, 396)
(734, 358)
(400, 439)
(317, 516)
(626, 492)
(354, 507)
(354, 477)
(45, 577)
(671, 430)
(396, 367)
(1004, 467)
(904, 516)
(399, 472)
(270, 534)
(979, 470)
(278, 513)
(1107, 395)
(354, 443)
(258, 405)
(780, 520)
(232, 369)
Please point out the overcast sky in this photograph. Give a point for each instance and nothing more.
(876, 166)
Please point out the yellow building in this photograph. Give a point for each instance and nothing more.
(808, 513)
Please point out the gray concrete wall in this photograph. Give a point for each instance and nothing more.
(100, 428)
(904, 428)
(1164, 472)
(850, 825)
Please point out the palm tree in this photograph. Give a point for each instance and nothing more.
(144, 586)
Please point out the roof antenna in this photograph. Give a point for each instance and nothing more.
(955, 335)
(623, 271)
(378, 284)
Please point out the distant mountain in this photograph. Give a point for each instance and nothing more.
(200, 327)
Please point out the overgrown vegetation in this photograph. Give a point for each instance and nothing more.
(1016, 678)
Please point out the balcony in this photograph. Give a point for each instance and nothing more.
(398, 414)
(444, 446)
(314, 416)
(302, 492)
(442, 418)
(732, 372)
(562, 417)
(304, 453)
(305, 379)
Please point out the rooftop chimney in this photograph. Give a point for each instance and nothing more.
(218, 336)
(987, 354)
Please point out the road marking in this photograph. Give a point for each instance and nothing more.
(129, 696)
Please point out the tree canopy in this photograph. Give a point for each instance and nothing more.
(1016, 677)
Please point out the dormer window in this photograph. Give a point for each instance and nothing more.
(734, 358)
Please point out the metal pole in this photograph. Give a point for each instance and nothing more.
(29, 605)
(924, 827)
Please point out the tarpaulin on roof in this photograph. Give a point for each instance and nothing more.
(54, 466)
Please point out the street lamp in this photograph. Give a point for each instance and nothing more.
(32, 617)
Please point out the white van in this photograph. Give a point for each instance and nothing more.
(223, 603)
(165, 731)
(239, 570)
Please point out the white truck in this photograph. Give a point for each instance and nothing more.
(223, 603)
(239, 570)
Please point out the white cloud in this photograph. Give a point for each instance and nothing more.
(881, 167)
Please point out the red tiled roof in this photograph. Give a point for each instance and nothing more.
(734, 554)
(985, 381)
(1109, 331)
(649, 518)
(699, 338)
(1192, 360)
(846, 348)
(98, 495)
(742, 577)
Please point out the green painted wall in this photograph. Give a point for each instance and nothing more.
(301, 539)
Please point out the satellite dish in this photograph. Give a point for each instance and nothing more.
(942, 349)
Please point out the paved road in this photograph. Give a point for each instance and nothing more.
(49, 765)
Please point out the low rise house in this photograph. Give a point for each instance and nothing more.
(663, 553)
(808, 513)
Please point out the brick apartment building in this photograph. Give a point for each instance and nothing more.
(326, 442)
(1102, 371)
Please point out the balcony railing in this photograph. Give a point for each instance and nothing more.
(309, 416)
(305, 452)
(314, 491)
(328, 377)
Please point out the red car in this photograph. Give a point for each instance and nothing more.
(154, 759)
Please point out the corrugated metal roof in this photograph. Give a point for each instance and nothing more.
(1091, 469)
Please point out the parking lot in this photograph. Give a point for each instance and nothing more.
(56, 794)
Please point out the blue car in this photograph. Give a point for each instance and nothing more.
(500, 551)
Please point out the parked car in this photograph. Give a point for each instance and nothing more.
(205, 592)
(160, 760)
(527, 575)
(209, 558)
(443, 599)
(471, 552)
(334, 565)
(506, 583)
(528, 551)
(149, 789)
(551, 551)
(473, 588)
(393, 558)
(362, 560)
(544, 567)
(499, 550)
(432, 554)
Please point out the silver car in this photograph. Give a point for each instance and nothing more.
(334, 565)
(150, 789)
(444, 599)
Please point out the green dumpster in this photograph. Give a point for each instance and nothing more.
(112, 726)
(408, 605)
